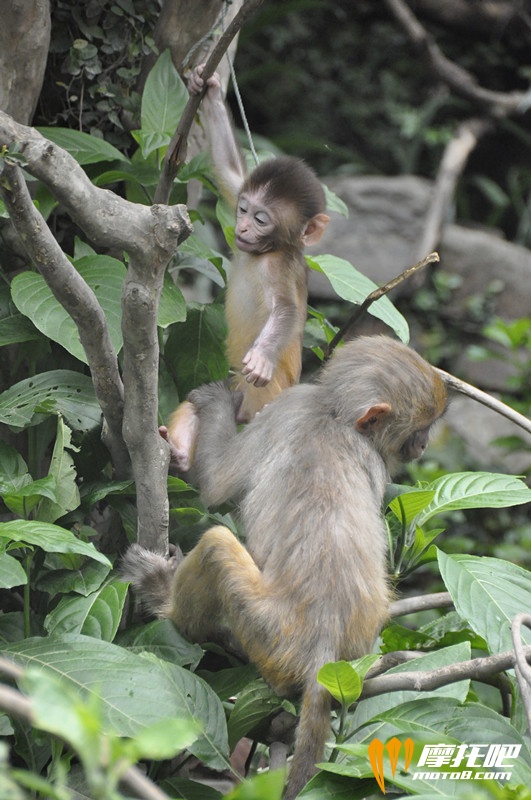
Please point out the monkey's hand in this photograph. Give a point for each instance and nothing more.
(214, 394)
(196, 83)
(258, 367)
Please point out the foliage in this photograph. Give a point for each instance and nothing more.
(102, 692)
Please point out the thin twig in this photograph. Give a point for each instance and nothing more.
(378, 293)
(453, 162)
(522, 670)
(176, 152)
(485, 399)
(409, 605)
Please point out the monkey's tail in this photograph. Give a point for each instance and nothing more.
(312, 733)
(151, 576)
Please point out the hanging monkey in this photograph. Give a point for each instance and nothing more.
(309, 474)
(279, 210)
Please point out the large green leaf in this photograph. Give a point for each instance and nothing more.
(11, 572)
(435, 721)
(103, 274)
(254, 704)
(136, 691)
(163, 639)
(98, 614)
(353, 286)
(172, 306)
(461, 490)
(50, 538)
(85, 148)
(63, 471)
(488, 593)
(64, 391)
(14, 327)
(195, 349)
(163, 101)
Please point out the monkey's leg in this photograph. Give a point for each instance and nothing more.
(181, 435)
(216, 587)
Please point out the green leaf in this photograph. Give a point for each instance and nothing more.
(172, 307)
(342, 681)
(267, 786)
(86, 149)
(488, 593)
(98, 615)
(254, 704)
(103, 274)
(11, 572)
(49, 538)
(334, 202)
(462, 490)
(85, 580)
(189, 790)
(409, 504)
(353, 286)
(196, 348)
(164, 739)
(14, 327)
(63, 472)
(135, 691)
(205, 260)
(163, 101)
(22, 501)
(161, 638)
(64, 391)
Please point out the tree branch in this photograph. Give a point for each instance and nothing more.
(409, 605)
(78, 299)
(499, 104)
(485, 399)
(151, 236)
(176, 152)
(361, 310)
(476, 669)
(450, 170)
(522, 669)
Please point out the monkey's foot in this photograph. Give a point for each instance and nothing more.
(179, 457)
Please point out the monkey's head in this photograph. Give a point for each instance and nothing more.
(280, 207)
(388, 392)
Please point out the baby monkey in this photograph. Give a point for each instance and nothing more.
(309, 474)
(279, 210)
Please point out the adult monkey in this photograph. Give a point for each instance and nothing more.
(309, 473)
(279, 210)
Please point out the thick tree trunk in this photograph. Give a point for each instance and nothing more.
(24, 42)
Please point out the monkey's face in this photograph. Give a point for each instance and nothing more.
(415, 445)
(255, 225)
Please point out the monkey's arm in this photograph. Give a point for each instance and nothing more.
(282, 327)
(227, 160)
(218, 460)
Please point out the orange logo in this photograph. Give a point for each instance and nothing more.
(376, 753)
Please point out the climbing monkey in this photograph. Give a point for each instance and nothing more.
(279, 210)
(309, 474)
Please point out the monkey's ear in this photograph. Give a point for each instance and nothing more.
(314, 229)
(374, 418)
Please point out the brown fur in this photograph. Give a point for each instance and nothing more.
(309, 473)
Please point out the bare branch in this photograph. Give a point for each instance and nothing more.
(485, 399)
(360, 311)
(477, 669)
(523, 671)
(80, 302)
(150, 235)
(451, 168)
(462, 82)
(410, 605)
(176, 152)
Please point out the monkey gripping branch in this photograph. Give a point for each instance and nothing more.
(149, 236)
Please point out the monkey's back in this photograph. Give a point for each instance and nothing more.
(322, 550)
